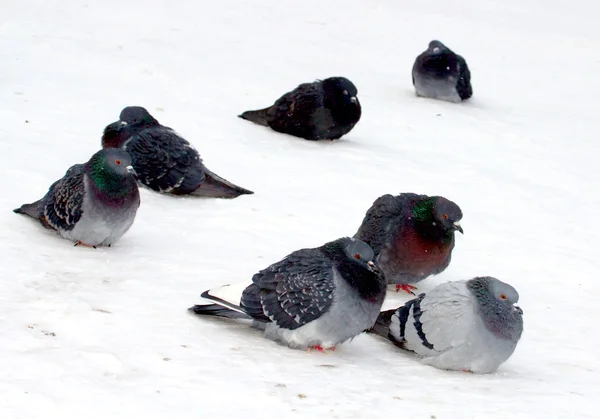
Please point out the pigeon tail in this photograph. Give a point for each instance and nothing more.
(382, 324)
(220, 308)
(214, 186)
(31, 210)
(258, 117)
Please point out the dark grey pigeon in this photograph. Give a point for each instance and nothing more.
(163, 160)
(472, 325)
(313, 298)
(94, 204)
(439, 73)
(412, 236)
(322, 110)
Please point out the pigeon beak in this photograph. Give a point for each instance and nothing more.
(122, 123)
(131, 170)
(354, 99)
(518, 309)
(458, 227)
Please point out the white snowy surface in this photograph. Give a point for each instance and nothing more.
(105, 333)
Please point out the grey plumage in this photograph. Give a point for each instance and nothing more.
(94, 204)
(317, 297)
(439, 73)
(472, 325)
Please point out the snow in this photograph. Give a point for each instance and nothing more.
(105, 333)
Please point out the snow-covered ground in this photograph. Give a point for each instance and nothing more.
(105, 333)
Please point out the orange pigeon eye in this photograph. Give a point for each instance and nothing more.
(118, 162)
(445, 216)
(502, 296)
(357, 256)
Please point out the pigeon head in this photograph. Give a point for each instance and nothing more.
(339, 91)
(109, 169)
(438, 214)
(131, 120)
(353, 259)
(436, 47)
(138, 116)
(497, 305)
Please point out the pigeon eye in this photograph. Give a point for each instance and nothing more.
(345, 92)
(118, 162)
(502, 296)
(445, 216)
(357, 256)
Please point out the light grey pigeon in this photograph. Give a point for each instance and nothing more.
(472, 325)
(94, 204)
(412, 236)
(313, 298)
(439, 73)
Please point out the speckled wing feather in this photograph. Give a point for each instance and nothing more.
(441, 319)
(164, 161)
(292, 292)
(62, 206)
(294, 112)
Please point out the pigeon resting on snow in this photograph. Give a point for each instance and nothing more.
(164, 161)
(439, 73)
(94, 204)
(412, 236)
(313, 298)
(324, 109)
(472, 325)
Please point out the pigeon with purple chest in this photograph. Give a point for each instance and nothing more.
(163, 160)
(412, 236)
(471, 326)
(94, 204)
(313, 298)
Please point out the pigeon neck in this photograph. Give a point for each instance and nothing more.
(424, 222)
(108, 185)
(499, 319)
(371, 286)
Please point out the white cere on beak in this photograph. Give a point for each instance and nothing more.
(457, 224)
(436, 50)
(130, 169)
(123, 123)
(353, 99)
(371, 264)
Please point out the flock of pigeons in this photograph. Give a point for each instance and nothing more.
(319, 297)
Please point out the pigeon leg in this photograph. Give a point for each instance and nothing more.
(321, 349)
(77, 243)
(406, 288)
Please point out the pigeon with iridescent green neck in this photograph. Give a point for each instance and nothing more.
(471, 326)
(412, 236)
(94, 204)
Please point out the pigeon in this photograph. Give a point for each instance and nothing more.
(472, 325)
(439, 73)
(314, 298)
(94, 204)
(163, 160)
(324, 109)
(412, 236)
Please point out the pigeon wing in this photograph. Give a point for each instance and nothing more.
(164, 161)
(63, 204)
(292, 292)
